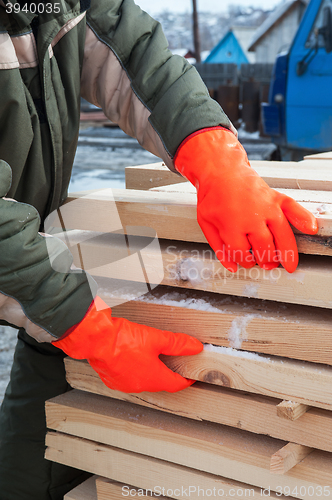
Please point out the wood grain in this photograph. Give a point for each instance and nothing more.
(302, 382)
(292, 331)
(213, 403)
(236, 454)
(310, 174)
(172, 216)
(291, 410)
(84, 491)
(287, 457)
(139, 470)
(195, 267)
(152, 175)
(107, 489)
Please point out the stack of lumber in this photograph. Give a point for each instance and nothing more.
(258, 421)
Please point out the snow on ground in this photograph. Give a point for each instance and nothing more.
(83, 180)
(248, 135)
(97, 167)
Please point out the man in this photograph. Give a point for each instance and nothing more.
(115, 56)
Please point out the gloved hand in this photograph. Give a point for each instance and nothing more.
(125, 354)
(243, 219)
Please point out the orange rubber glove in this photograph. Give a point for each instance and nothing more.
(125, 354)
(243, 219)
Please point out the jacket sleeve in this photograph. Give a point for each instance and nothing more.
(39, 291)
(128, 71)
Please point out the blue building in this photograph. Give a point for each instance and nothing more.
(232, 48)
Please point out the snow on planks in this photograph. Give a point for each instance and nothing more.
(306, 383)
(195, 267)
(216, 440)
(292, 331)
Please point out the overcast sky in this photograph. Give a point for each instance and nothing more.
(156, 6)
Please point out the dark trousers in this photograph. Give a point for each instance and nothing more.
(37, 375)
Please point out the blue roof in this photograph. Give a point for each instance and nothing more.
(228, 50)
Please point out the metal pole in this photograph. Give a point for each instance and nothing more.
(197, 43)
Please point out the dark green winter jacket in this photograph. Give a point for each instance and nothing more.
(116, 56)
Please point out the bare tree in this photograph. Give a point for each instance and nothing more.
(197, 43)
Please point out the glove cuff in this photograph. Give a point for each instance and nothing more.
(79, 340)
(204, 151)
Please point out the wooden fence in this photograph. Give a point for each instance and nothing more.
(239, 91)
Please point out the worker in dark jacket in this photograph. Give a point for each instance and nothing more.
(115, 56)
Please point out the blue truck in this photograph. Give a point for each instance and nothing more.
(298, 116)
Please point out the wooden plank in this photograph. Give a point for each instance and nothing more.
(204, 446)
(291, 410)
(297, 332)
(301, 175)
(142, 471)
(170, 216)
(308, 174)
(287, 457)
(218, 404)
(195, 267)
(181, 187)
(134, 206)
(84, 491)
(319, 156)
(303, 180)
(307, 383)
(300, 195)
(314, 245)
(151, 175)
(298, 179)
(107, 489)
